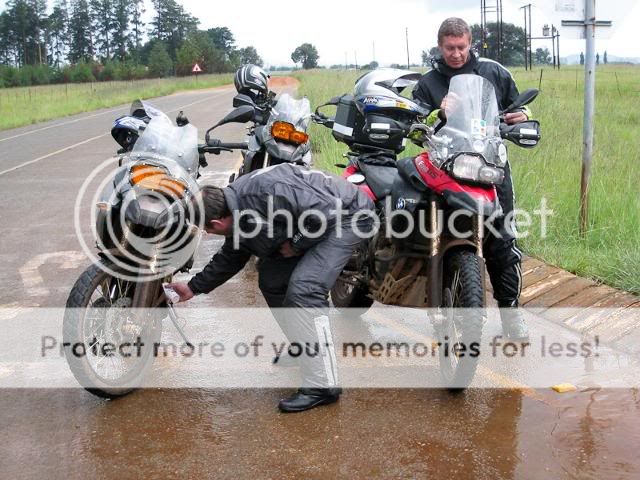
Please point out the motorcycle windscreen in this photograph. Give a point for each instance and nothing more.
(472, 114)
(165, 143)
(293, 111)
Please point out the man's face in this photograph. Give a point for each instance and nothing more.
(455, 50)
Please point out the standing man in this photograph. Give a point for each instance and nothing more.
(503, 258)
(303, 225)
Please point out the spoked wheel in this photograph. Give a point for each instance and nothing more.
(463, 312)
(109, 347)
(347, 297)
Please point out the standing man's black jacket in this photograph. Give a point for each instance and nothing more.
(434, 85)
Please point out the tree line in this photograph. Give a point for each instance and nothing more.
(92, 40)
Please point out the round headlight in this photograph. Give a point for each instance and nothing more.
(478, 146)
(502, 156)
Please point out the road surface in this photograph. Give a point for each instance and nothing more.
(505, 431)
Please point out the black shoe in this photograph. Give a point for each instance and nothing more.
(285, 360)
(513, 325)
(307, 398)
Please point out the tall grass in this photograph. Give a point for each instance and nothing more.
(26, 105)
(610, 251)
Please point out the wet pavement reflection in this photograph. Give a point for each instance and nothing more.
(382, 433)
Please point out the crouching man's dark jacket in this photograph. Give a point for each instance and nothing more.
(286, 188)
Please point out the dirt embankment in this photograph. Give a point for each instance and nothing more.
(281, 83)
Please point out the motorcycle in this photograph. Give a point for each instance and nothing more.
(147, 226)
(277, 134)
(428, 252)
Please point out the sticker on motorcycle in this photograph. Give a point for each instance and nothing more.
(479, 127)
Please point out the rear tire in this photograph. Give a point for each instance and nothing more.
(106, 298)
(463, 310)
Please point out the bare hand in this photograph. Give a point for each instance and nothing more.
(449, 102)
(287, 251)
(515, 117)
(183, 290)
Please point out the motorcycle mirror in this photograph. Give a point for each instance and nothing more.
(181, 119)
(241, 114)
(525, 98)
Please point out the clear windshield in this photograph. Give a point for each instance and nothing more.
(163, 141)
(472, 113)
(291, 110)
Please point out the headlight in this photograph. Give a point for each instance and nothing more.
(157, 179)
(475, 169)
(287, 132)
(501, 161)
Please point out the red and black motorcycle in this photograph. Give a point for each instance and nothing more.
(428, 251)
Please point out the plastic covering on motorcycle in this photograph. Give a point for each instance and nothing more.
(379, 178)
(404, 196)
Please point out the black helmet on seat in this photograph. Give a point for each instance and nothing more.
(251, 80)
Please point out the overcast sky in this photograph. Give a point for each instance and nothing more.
(350, 28)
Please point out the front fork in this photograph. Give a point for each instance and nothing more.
(438, 249)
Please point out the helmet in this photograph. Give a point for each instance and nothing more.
(380, 90)
(126, 130)
(251, 79)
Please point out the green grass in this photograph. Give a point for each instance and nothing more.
(610, 251)
(26, 105)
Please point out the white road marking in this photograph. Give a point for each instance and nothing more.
(92, 139)
(8, 170)
(73, 121)
(31, 278)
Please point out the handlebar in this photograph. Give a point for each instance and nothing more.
(215, 146)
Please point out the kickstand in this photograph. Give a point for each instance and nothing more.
(174, 319)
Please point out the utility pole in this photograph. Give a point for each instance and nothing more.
(589, 24)
(526, 53)
(407, 36)
(530, 32)
(355, 58)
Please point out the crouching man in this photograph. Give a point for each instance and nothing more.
(303, 225)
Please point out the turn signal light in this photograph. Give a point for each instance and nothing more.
(287, 133)
(157, 180)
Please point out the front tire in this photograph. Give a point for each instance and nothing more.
(97, 313)
(463, 317)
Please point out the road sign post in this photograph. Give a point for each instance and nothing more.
(589, 25)
(196, 70)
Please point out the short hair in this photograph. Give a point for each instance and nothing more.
(453, 27)
(215, 205)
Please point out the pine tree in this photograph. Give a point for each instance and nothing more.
(81, 41)
(57, 32)
(137, 10)
(171, 24)
(101, 13)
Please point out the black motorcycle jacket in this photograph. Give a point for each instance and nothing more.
(434, 85)
(263, 197)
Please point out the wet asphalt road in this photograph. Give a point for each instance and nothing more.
(238, 433)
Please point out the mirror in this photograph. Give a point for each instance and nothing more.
(525, 98)
(242, 99)
(241, 114)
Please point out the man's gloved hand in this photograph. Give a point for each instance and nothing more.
(287, 250)
(181, 289)
(515, 117)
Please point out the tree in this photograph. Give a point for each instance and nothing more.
(605, 59)
(581, 58)
(171, 24)
(371, 66)
(80, 32)
(307, 55)
(103, 23)
(223, 40)
(57, 32)
(512, 42)
(597, 59)
(250, 55)
(137, 10)
(160, 64)
(542, 56)
(427, 55)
